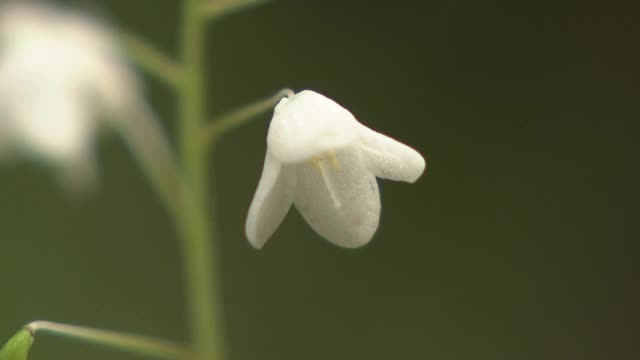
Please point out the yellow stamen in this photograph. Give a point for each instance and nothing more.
(334, 160)
(320, 164)
(315, 161)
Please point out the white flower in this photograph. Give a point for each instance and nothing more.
(59, 73)
(320, 158)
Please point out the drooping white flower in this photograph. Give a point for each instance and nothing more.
(322, 160)
(60, 74)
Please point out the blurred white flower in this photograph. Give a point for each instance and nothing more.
(320, 158)
(60, 74)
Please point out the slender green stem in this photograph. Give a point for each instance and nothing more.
(152, 60)
(218, 127)
(127, 342)
(197, 222)
(215, 9)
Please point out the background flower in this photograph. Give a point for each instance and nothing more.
(62, 75)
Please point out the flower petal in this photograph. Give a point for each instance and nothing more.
(339, 198)
(52, 126)
(271, 202)
(309, 124)
(390, 159)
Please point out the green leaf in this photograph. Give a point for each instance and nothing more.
(17, 348)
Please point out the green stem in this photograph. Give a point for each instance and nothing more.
(216, 9)
(196, 220)
(127, 342)
(218, 127)
(152, 60)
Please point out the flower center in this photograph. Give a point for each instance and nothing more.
(320, 164)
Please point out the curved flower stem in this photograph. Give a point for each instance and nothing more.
(151, 148)
(196, 223)
(216, 9)
(130, 343)
(152, 60)
(218, 127)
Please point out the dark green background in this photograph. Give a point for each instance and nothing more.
(519, 243)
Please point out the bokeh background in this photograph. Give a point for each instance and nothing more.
(520, 242)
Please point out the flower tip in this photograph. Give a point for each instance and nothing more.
(415, 166)
(426, 166)
(421, 165)
(353, 243)
(256, 241)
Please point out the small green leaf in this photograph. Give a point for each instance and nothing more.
(17, 348)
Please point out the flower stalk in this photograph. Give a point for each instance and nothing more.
(197, 223)
(239, 117)
(216, 9)
(130, 343)
(152, 60)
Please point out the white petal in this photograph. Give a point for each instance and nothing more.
(39, 39)
(390, 159)
(309, 124)
(271, 202)
(53, 127)
(339, 200)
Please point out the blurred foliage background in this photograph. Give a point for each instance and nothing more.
(519, 243)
